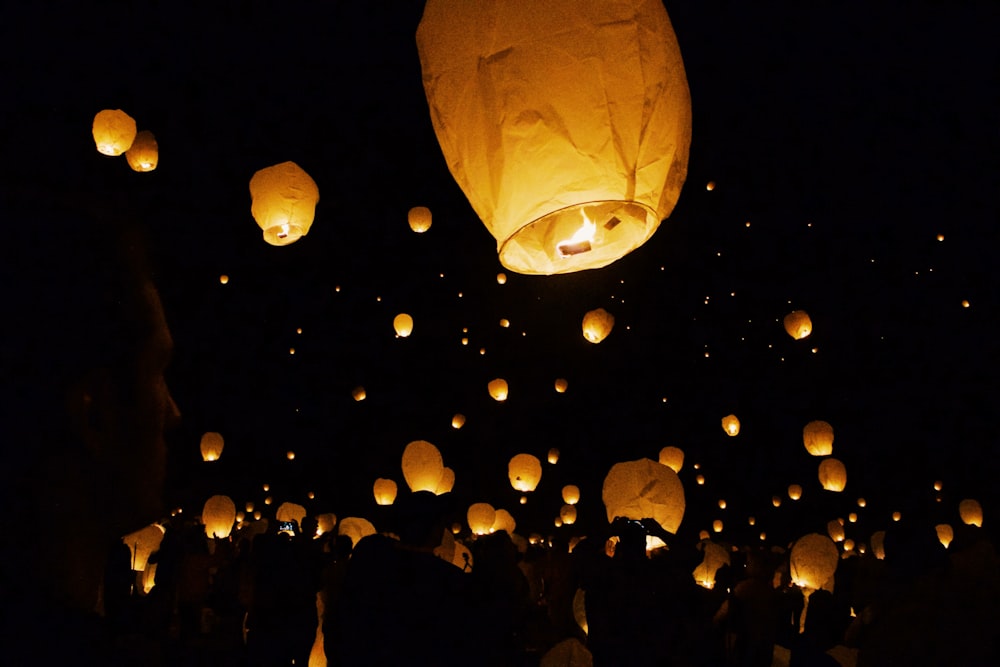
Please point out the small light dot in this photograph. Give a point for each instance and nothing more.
(748, 223)
(965, 303)
(337, 288)
(459, 295)
(940, 237)
(379, 299)
(815, 350)
(224, 279)
(291, 350)
(299, 330)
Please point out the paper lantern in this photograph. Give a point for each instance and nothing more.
(644, 488)
(731, 425)
(568, 514)
(878, 544)
(419, 218)
(458, 421)
(561, 385)
(249, 506)
(524, 472)
(211, 446)
(143, 543)
(817, 436)
(291, 512)
(798, 325)
(835, 530)
(717, 526)
(566, 123)
(498, 389)
(325, 523)
(143, 154)
(422, 466)
(571, 494)
(945, 534)
(403, 324)
(672, 457)
(553, 455)
(481, 517)
(597, 324)
(149, 577)
(776, 501)
(356, 528)
(114, 131)
(385, 491)
(359, 393)
(971, 512)
(501, 278)
(794, 491)
(832, 475)
(218, 516)
(813, 561)
(446, 483)
(503, 520)
(283, 202)
(715, 556)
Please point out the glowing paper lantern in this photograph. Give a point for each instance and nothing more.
(597, 324)
(503, 520)
(498, 389)
(798, 325)
(458, 421)
(715, 556)
(570, 146)
(813, 561)
(524, 472)
(143, 543)
(832, 474)
(878, 544)
(385, 491)
(945, 534)
(481, 517)
(794, 491)
(561, 385)
(672, 457)
(218, 516)
(114, 131)
(325, 523)
(644, 488)
(144, 153)
(283, 202)
(571, 494)
(501, 278)
(971, 512)
(419, 218)
(291, 512)
(717, 526)
(359, 393)
(422, 466)
(356, 528)
(835, 530)
(568, 514)
(731, 425)
(211, 446)
(403, 324)
(446, 483)
(553, 456)
(817, 436)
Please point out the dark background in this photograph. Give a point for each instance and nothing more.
(848, 136)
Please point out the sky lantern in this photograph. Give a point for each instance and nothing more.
(218, 516)
(813, 561)
(291, 512)
(672, 457)
(794, 491)
(731, 425)
(498, 389)
(356, 528)
(835, 530)
(553, 455)
(945, 534)
(385, 491)
(325, 523)
(644, 489)
(283, 202)
(501, 278)
(798, 325)
(419, 218)
(817, 436)
(570, 148)
(524, 472)
(446, 483)
(481, 517)
(571, 494)
(211, 446)
(503, 520)
(597, 324)
(143, 543)
(568, 514)
(717, 526)
(715, 556)
(971, 512)
(832, 474)
(561, 385)
(359, 393)
(422, 466)
(878, 544)
(403, 324)
(144, 153)
(458, 421)
(114, 131)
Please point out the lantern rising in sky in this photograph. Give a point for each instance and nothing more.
(283, 202)
(731, 425)
(570, 147)
(419, 218)
(144, 153)
(212, 444)
(114, 131)
(798, 325)
(597, 324)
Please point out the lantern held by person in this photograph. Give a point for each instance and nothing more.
(644, 489)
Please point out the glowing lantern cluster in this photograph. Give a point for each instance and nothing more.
(597, 324)
(419, 218)
(144, 153)
(832, 474)
(113, 131)
(403, 324)
(798, 325)
(971, 512)
(481, 517)
(524, 472)
(672, 457)
(283, 202)
(817, 436)
(422, 466)
(211, 446)
(570, 148)
(731, 425)
(218, 516)
(813, 561)
(644, 489)
(498, 389)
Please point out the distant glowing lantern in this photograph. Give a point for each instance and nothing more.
(524, 472)
(813, 561)
(731, 425)
(971, 512)
(896, 516)
(965, 303)
(481, 517)
(523, 500)
(570, 148)
(817, 436)
(794, 491)
(498, 389)
(501, 278)
(403, 324)
(505, 323)
(832, 474)
(597, 324)
(835, 530)
(568, 514)
(557, 522)
(945, 534)
(419, 218)
(218, 516)
(553, 455)
(356, 528)
(776, 501)
(938, 485)
(114, 131)
(211, 446)
(798, 325)
(503, 520)
(644, 489)
(422, 466)
(224, 279)
(249, 506)
(862, 502)
(561, 385)
(700, 480)
(143, 543)
(571, 494)
(283, 202)
(143, 154)
(458, 421)
(717, 526)
(385, 491)
(290, 455)
(722, 503)
(672, 457)
(359, 393)
(446, 483)
(878, 544)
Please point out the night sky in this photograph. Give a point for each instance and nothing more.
(842, 139)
